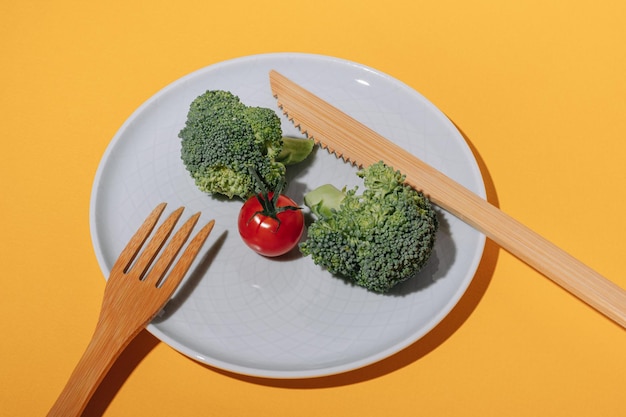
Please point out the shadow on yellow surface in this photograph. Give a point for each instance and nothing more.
(130, 358)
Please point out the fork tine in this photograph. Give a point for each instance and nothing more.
(129, 304)
(182, 266)
(166, 257)
(137, 241)
(154, 246)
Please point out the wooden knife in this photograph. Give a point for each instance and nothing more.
(359, 145)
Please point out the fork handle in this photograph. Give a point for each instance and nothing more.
(101, 352)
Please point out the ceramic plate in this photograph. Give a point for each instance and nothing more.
(284, 318)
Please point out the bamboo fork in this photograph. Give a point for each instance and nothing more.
(355, 143)
(133, 295)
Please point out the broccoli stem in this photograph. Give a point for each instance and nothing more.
(324, 200)
(294, 150)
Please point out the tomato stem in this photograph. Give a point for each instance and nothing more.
(268, 199)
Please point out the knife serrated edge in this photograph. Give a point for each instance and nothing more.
(359, 145)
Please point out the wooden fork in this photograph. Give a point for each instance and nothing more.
(136, 291)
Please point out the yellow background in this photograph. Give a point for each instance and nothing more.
(538, 88)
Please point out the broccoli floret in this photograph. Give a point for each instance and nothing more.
(267, 131)
(377, 239)
(223, 139)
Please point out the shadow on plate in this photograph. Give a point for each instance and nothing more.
(130, 358)
(188, 286)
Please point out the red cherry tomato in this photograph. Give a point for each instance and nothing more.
(271, 234)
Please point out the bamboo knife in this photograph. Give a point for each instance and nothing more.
(359, 145)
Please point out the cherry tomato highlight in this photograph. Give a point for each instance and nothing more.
(265, 234)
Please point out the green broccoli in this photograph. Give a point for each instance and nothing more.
(295, 150)
(377, 239)
(223, 139)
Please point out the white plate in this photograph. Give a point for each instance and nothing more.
(284, 318)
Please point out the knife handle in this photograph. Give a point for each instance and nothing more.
(516, 238)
